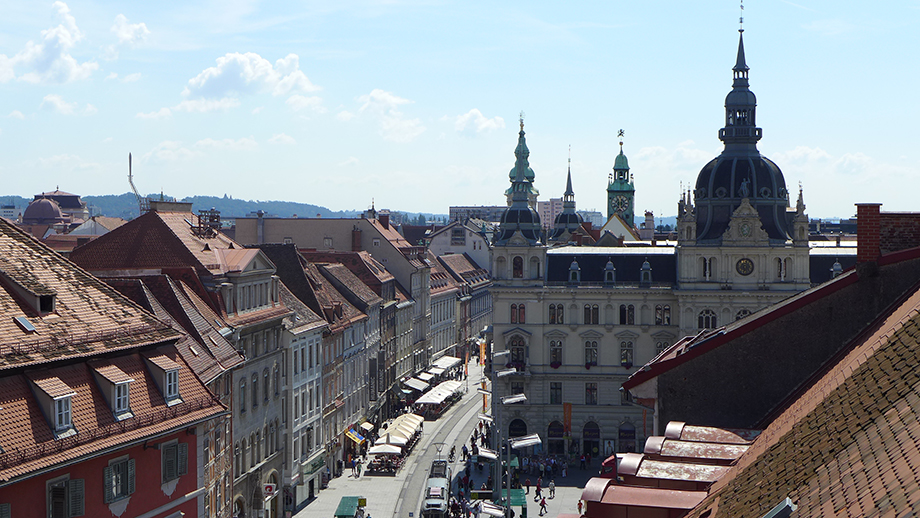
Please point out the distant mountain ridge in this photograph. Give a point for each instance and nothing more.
(125, 206)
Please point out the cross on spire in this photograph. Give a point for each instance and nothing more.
(741, 18)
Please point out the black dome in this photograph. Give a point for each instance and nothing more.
(726, 180)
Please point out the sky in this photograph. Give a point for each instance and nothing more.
(414, 105)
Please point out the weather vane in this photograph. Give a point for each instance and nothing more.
(620, 134)
(741, 18)
(522, 120)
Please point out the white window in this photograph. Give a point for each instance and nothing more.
(121, 398)
(172, 384)
(118, 478)
(62, 413)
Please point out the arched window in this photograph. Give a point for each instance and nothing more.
(626, 354)
(590, 352)
(243, 395)
(667, 315)
(659, 315)
(555, 351)
(707, 319)
(560, 314)
(237, 460)
(266, 387)
(514, 314)
(521, 316)
(517, 267)
(622, 314)
(595, 314)
(660, 347)
(518, 349)
(742, 313)
(630, 315)
(587, 313)
(277, 380)
(252, 449)
(552, 313)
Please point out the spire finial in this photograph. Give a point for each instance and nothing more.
(521, 119)
(621, 134)
(570, 157)
(741, 18)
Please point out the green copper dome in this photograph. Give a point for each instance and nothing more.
(621, 164)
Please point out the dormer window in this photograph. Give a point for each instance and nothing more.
(172, 384)
(62, 414)
(122, 402)
(166, 374)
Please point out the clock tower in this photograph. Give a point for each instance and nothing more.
(620, 190)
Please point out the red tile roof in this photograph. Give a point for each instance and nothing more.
(89, 317)
(850, 444)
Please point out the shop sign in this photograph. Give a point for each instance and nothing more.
(372, 379)
(269, 489)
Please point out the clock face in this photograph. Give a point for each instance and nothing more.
(745, 266)
(621, 203)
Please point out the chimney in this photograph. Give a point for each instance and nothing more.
(355, 239)
(868, 232)
(328, 313)
(384, 219)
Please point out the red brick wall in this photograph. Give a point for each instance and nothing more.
(898, 231)
(867, 230)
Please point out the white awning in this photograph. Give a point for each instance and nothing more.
(439, 394)
(446, 362)
(425, 376)
(384, 449)
(367, 425)
(416, 383)
(436, 370)
(489, 454)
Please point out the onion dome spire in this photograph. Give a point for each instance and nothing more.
(520, 216)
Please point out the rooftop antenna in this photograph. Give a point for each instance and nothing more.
(142, 204)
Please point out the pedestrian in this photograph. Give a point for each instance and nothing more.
(536, 491)
(527, 487)
(354, 473)
(579, 507)
(542, 506)
(552, 489)
(582, 461)
(358, 467)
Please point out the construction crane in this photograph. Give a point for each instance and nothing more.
(143, 204)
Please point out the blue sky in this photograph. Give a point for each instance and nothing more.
(415, 103)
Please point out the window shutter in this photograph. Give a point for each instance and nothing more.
(4, 510)
(76, 497)
(59, 502)
(130, 476)
(107, 476)
(169, 464)
(182, 458)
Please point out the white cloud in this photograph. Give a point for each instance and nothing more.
(302, 102)
(242, 144)
(112, 76)
(169, 151)
(281, 138)
(393, 124)
(206, 105)
(65, 162)
(237, 74)
(50, 61)
(345, 115)
(474, 120)
(16, 114)
(130, 78)
(162, 113)
(107, 140)
(129, 33)
(258, 110)
(348, 161)
(57, 103)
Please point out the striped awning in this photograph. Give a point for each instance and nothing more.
(355, 436)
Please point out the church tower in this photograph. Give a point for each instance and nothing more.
(621, 193)
(736, 230)
(568, 221)
(518, 250)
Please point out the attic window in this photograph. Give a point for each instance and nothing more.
(46, 303)
(24, 324)
(172, 384)
(62, 413)
(122, 401)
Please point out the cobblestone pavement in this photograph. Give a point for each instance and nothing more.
(401, 495)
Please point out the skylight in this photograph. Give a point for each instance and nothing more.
(25, 324)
